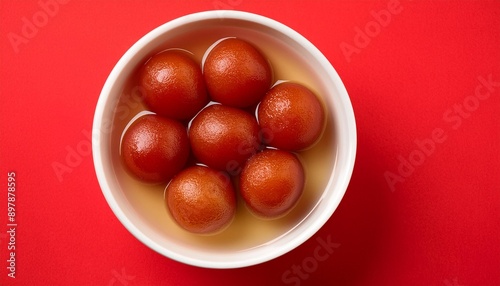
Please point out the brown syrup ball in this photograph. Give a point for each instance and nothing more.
(173, 85)
(154, 148)
(236, 73)
(272, 182)
(201, 200)
(291, 117)
(224, 137)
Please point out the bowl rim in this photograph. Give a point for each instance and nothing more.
(104, 103)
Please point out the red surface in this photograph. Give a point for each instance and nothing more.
(412, 82)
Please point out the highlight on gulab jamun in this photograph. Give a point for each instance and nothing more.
(272, 182)
(173, 85)
(201, 200)
(291, 116)
(154, 148)
(223, 137)
(236, 73)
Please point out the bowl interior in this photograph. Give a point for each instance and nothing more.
(247, 240)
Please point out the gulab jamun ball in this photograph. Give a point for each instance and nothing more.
(272, 182)
(173, 85)
(224, 137)
(291, 117)
(154, 148)
(236, 73)
(201, 200)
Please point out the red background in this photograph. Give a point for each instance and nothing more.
(439, 225)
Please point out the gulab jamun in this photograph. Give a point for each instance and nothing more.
(224, 137)
(154, 148)
(236, 73)
(201, 200)
(291, 117)
(272, 182)
(173, 85)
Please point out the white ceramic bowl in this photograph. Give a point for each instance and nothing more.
(330, 166)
